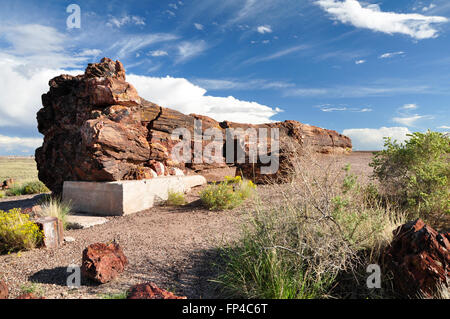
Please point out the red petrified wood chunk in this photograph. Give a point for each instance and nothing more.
(4, 292)
(102, 262)
(150, 291)
(419, 257)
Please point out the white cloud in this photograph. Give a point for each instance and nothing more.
(17, 145)
(240, 84)
(360, 61)
(158, 53)
(431, 6)
(264, 29)
(409, 107)
(371, 17)
(17, 108)
(198, 26)
(389, 55)
(276, 55)
(444, 127)
(188, 50)
(410, 120)
(90, 52)
(127, 19)
(132, 44)
(367, 139)
(182, 95)
(330, 108)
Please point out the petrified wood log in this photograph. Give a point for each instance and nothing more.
(97, 128)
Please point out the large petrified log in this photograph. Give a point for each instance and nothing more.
(97, 128)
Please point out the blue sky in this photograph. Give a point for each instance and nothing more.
(367, 69)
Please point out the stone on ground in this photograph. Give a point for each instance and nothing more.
(150, 291)
(419, 258)
(4, 292)
(80, 221)
(102, 262)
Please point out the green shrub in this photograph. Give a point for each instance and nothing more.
(35, 187)
(18, 232)
(176, 199)
(121, 295)
(2, 194)
(227, 194)
(53, 207)
(311, 234)
(416, 175)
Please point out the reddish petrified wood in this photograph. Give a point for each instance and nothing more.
(150, 291)
(4, 292)
(102, 262)
(97, 128)
(419, 257)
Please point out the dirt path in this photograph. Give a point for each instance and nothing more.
(173, 247)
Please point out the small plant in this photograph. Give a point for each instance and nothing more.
(35, 187)
(2, 194)
(176, 199)
(227, 194)
(18, 232)
(53, 207)
(121, 295)
(32, 288)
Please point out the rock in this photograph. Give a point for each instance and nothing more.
(419, 258)
(53, 231)
(29, 295)
(7, 184)
(96, 128)
(175, 171)
(4, 292)
(84, 221)
(69, 239)
(150, 291)
(102, 262)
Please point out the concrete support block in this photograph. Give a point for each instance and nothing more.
(125, 197)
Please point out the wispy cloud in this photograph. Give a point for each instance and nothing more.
(341, 108)
(124, 20)
(389, 55)
(239, 84)
(190, 49)
(158, 53)
(357, 91)
(372, 17)
(276, 55)
(411, 120)
(199, 26)
(134, 43)
(360, 61)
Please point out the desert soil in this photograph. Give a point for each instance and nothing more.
(173, 247)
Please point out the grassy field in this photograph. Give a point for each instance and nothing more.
(21, 169)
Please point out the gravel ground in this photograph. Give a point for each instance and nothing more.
(173, 247)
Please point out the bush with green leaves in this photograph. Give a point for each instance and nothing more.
(227, 194)
(176, 199)
(18, 232)
(29, 188)
(416, 174)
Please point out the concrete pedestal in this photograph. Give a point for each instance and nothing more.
(125, 197)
